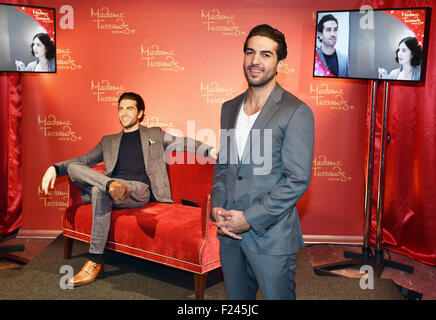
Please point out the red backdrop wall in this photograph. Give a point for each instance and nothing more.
(185, 59)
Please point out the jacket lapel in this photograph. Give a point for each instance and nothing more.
(114, 150)
(270, 107)
(268, 110)
(230, 125)
(145, 142)
(233, 116)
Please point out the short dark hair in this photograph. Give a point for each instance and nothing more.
(265, 30)
(414, 47)
(49, 45)
(140, 106)
(324, 19)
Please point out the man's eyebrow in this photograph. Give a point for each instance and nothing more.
(262, 51)
(267, 51)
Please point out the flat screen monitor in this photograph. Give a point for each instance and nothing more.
(389, 44)
(27, 39)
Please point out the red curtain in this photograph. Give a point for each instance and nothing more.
(409, 215)
(10, 153)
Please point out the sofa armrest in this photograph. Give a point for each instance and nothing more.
(75, 194)
(205, 212)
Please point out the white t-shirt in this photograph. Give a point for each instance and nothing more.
(243, 127)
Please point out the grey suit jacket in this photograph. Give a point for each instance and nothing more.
(343, 65)
(267, 189)
(154, 142)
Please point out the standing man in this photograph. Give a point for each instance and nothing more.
(135, 172)
(254, 202)
(334, 60)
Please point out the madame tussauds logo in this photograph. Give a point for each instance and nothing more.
(42, 16)
(65, 60)
(156, 122)
(214, 93)
(54, 198)
(162, 59)
(111, 21)
(60, 129)
(327, 97)
(330, 169)
(106, 92)
(286, 68)
(411, 17)
(222, 23)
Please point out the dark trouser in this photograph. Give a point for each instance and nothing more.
(245, 271)
(93, 185)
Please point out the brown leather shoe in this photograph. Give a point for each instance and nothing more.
(119, 191)
(89, 272)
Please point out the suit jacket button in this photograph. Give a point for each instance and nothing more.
(240, 178)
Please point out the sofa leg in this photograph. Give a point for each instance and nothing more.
(200, 285)
(68, 246)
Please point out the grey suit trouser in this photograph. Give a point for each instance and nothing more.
(245, 271)
(93, 185)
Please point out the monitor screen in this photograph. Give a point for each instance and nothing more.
(389, 44)
(27, 39)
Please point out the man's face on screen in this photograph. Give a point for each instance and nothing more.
(329, 34)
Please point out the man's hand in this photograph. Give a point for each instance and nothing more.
(218, 216)
(49, 179)
(213, 153)
(231, 222)
(235, 221)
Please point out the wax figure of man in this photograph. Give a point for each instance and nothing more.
(135, 172)
(333, 59)
(254, 202)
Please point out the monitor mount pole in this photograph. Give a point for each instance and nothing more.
(376, 261)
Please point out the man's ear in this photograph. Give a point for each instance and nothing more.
(140, 114)
(280, 65)
(319, 35)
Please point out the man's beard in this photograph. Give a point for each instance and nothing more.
(128, 125)
(262, 83)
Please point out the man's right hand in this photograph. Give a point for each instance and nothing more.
(49, 179)
(217, 214)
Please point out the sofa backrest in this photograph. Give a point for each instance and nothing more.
(190, 176)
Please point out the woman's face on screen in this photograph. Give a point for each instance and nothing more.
(404, 54)
(39, 48)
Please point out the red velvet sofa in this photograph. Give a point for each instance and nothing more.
(175, 235)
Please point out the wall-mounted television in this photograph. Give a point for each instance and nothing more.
(27, 39)
(388, 44)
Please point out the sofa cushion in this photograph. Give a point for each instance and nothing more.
(166, 233)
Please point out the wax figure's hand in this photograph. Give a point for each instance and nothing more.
(217, 214)
(234, 222)
(49, 179)
(213, 153)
